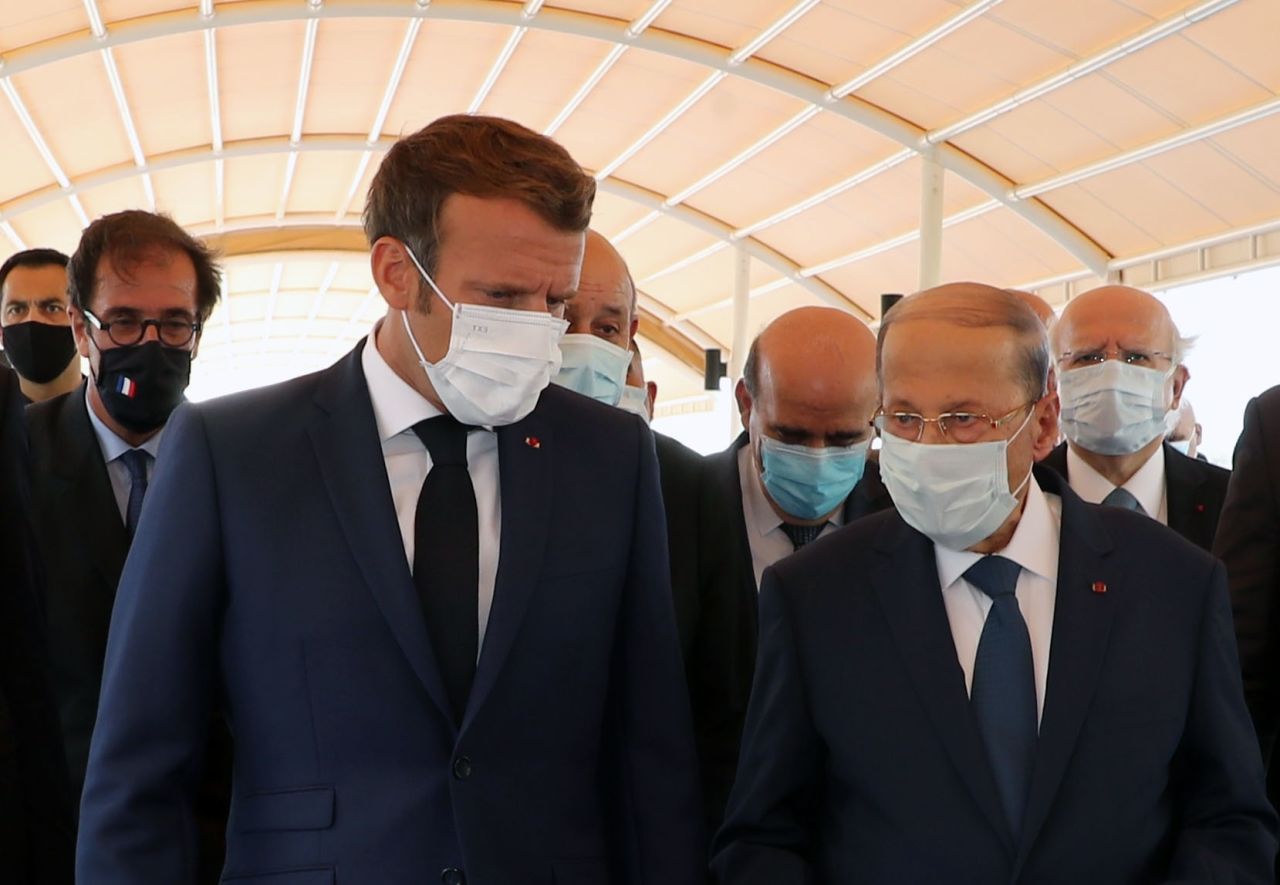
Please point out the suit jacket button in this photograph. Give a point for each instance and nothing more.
(453, 876)
(462, 768)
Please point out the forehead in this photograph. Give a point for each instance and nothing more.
(31, 283)
(1116, 320)
(506, 236)
(802, 390)
(161, 279)
(933, 365)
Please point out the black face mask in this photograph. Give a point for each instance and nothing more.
(142, 385)
(39, 352)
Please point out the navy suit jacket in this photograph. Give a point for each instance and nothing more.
(268, 571)
(1194, 492)
(862, 762)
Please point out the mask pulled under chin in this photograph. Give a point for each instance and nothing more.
(140, 386)
(955, 494)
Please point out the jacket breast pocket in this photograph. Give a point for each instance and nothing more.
(284, 877)
(300, 808)
(581, 872)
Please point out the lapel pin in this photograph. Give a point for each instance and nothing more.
(1199, 508)
(533, 442)
(1099, 587)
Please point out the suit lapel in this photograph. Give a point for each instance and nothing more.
(1089, 589)
(906, 581)
(81, 476)
(731, 491)
(525, 453)
(345, 438)
(868, 496)
(1188, 515)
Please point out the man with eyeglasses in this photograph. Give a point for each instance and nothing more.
(140, 290)
(1120, 373)
(995, 681)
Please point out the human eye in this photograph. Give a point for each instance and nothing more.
(1088, 358)
(1138, 358)
(14, 310)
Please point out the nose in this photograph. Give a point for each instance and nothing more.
(150, 332)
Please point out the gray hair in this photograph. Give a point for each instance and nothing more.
(977, 306)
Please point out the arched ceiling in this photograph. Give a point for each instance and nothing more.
(1122, 137)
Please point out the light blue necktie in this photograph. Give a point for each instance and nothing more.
(135, 461)
(1004, 685)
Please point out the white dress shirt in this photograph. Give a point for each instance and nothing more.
(112, 448)
(397, 407)
(768, 541)
(1034, 546)
(1147, 485)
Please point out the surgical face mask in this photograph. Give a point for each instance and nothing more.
(809, 483)
(593, 367)
(38, 351)
(1113, 408)
(498, 363)
(954, 494)
(140, 386)
(636, 401)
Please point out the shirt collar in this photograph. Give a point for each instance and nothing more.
(113, 446)
(396, 405)
(1147, 485)
(1034, 544)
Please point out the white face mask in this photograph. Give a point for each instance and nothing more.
(593, 367)
(636, 401)
(498, 363)
(1113, 408)
(954, 494)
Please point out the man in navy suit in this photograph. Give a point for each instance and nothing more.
(430, 591)
(993, 682)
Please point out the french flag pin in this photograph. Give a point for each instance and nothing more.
(127, 387)
(533, 442)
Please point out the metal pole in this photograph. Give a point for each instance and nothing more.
(741, 328)
(931, 223)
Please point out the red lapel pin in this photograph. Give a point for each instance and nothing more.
(1199, 508)
(1099, 587)
(533, 442)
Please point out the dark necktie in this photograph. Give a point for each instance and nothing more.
(135, 461)
(446, 557)
(1004, 685)
(1121, 497)
(802, 534)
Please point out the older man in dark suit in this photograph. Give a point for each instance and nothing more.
(995, 681)
(1119, 361)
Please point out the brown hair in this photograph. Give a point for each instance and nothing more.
(480, 157)
(133, 237)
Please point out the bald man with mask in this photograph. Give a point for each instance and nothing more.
(1119, 357)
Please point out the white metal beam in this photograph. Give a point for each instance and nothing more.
(1152, 149)
(1159, 31)
(635, 30)
(384, 108)
(591, 26)
(273, 294)
(215, 113)
(513, 42)
(299, 111)
(914, 48)
(12, 234)
(701, 254)
(786, 20)
(635, 228)
(126, 120)
(325, 285)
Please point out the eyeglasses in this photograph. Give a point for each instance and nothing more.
(1078, 359)
(128, 330)
(961, 427)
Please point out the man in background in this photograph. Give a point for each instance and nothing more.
(34, 325)
(1120, 371)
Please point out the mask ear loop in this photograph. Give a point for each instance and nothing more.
(1026, 479)
(426, 276)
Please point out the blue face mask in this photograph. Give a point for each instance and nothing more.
(810, 483)
(593, 367)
